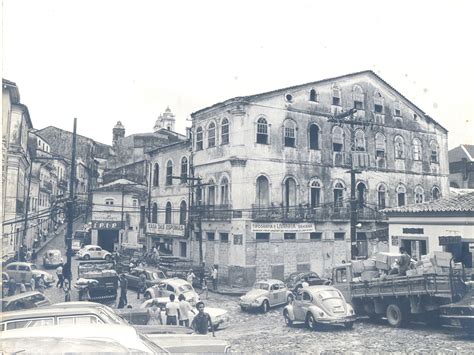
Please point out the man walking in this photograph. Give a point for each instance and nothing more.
(141, 285)
(172, 310)
(123, 291)
(202, 321)
(214, 278)
(59, 273)
(184, 309)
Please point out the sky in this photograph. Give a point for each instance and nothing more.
(104, 61)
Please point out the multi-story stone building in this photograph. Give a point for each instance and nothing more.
(276, 173)
(461, 167)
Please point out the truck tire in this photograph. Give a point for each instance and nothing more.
(397, 316)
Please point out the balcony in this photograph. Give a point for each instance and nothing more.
(62, 184)
(47, 186)
(212, 213)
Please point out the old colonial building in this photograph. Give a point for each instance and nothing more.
(276, 174)
(461, 167)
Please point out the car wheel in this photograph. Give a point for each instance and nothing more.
(87, 257)
(147, 295)
(290, 299)
(108, 257)
(288, 321)
(349, 325)
(396, 315)
(265, 306)
(310, 322)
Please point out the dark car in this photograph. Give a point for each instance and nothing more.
(153, 277)
(296, 279)
(31, 299)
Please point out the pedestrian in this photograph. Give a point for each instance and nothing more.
(22, 286)
(67, 291)
(184, 309)
(86, 295)
(154, 314)
(403, 262)
(40, 283)
(67, 272)
(190, 278)
(11, 286)
(28, 255)
(214, 278)
(32, 283)
(141, 285)
(34, 256)
(202, 321)
(59, 273)
(123, 291)
(204, 288)
(172, 311)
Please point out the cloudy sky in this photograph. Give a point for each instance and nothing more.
(108, 60)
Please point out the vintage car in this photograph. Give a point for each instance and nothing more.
(153, 277)
(219, 317)
(317, 305)
(93, 252)
(461, 313)
(52, 258)
(30, 299)
(176, 286)
(296, 279)
(22, 271)
(266, 294)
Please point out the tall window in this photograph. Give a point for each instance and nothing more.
(401, 192)
(199, 196)
(169, 173)
(263, 192)
(434, 152)
(211, 135)
(338, 192)
(290, 193)
(337, 139)
(211, 194)
(399, 148)
(361, 194)
(168, 211)
(435, 193)
(262, 131)
(182, 212)
(358, 97)
(199, 138)
(360, 141)
(184, 170)
(225, 131)
(378, 102)
(154, 213)
(313, 137)
(336, 95)
(156, 174)
(313, 95)
(289, 127)
(416, 149)
(380, 145)
(419, 194)
(224, 191)
(397, 110)
(315, 193)
(381, 197)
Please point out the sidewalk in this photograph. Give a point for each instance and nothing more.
(61, 230)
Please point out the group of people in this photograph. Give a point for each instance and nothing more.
(37, 282)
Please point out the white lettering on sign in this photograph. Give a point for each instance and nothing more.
(106, 225)
(283, 227)
(166, 229)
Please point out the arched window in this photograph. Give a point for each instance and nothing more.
(262, 131)
(434, 152)
(313, 137)
(313, 96)
(401, 192)
(211, 193)
(419, 194)
(380, 145)
(378, 102)
(337, 139)
(169, 173)
(435, 193)
(225, 131)
(184, 170)
(211, 135)
(156, 175)
(262, 192)
(182, 212)
(289, 197)
(199, 145)
(338, 192)
(168, 211)
(358, 97)
(416, 149)
(360, 141)
(154, 213)
(381, 196)
(224, 191)
(399, 147)
(289, 131)
(315, 193)
(361, 194)
(336, 95)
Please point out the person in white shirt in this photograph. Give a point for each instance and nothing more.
(190, 278)
(184, 309)
(214, 278)
(172, 311)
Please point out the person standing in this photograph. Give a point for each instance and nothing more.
(214, 278)
(32, 283)
(141, 285)
(202, 321)
(184, 309)
(67, 271)
(190, 278)
(11, 286)
(123, 291)
(172, 310)
(59, 273)
(154, 314)
(404, 262)
(67, 291)
(22, 286)
(40, 283)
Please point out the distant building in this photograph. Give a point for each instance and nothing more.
(461, 167)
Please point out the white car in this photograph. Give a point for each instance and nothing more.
(173, 286)
(22, 271)
(265, 294)
(93, 252)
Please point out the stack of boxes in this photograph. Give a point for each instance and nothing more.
(436, 262)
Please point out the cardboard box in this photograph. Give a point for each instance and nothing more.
(369, 265)
(412, 272)
(369, 275)
(357, 266)
(383, 261)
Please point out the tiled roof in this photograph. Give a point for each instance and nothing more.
(453, 203)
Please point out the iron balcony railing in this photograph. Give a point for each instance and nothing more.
(212, 212)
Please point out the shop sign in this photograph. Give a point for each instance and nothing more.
(449, 239)
(165, 229)
(107, 225)
(283, 227)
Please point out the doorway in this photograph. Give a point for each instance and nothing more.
(415, 248)
(182, 249)
(107, 239)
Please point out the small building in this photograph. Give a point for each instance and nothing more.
(443, 225)
(461, 167)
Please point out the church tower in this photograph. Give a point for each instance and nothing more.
(165, 121)
(118, 133)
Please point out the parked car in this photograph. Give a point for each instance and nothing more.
(52, 258)
(461, 313)
(22, 271)
(93, 252)
(5, 279)
(296, 279)
(153, 277)
(219, 316)
(316, 305)
(176, 286)
(266, 294)
(30, 299)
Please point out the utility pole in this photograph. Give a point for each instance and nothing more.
(27, 207)
(70, 206)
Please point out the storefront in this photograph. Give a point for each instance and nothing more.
(106, 234)
(462, 249)
(167, 238)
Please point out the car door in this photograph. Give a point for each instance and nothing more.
(274, 294)
(12, 271)
(24, 273)
(98, 252)
(133, 279)
(301, 305)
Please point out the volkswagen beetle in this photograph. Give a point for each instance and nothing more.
(266, 294)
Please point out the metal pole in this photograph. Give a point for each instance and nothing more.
(353, 201)
(200, 224)
(27, 205)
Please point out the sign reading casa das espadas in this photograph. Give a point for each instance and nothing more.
(283, 227)
(106, 225)
(165, 229)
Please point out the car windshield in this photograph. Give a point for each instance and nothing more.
(185, 288)
(324, 295)
(154, 276)
(33, 267)
(261, 286)
(110, 314)
(151, 345)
